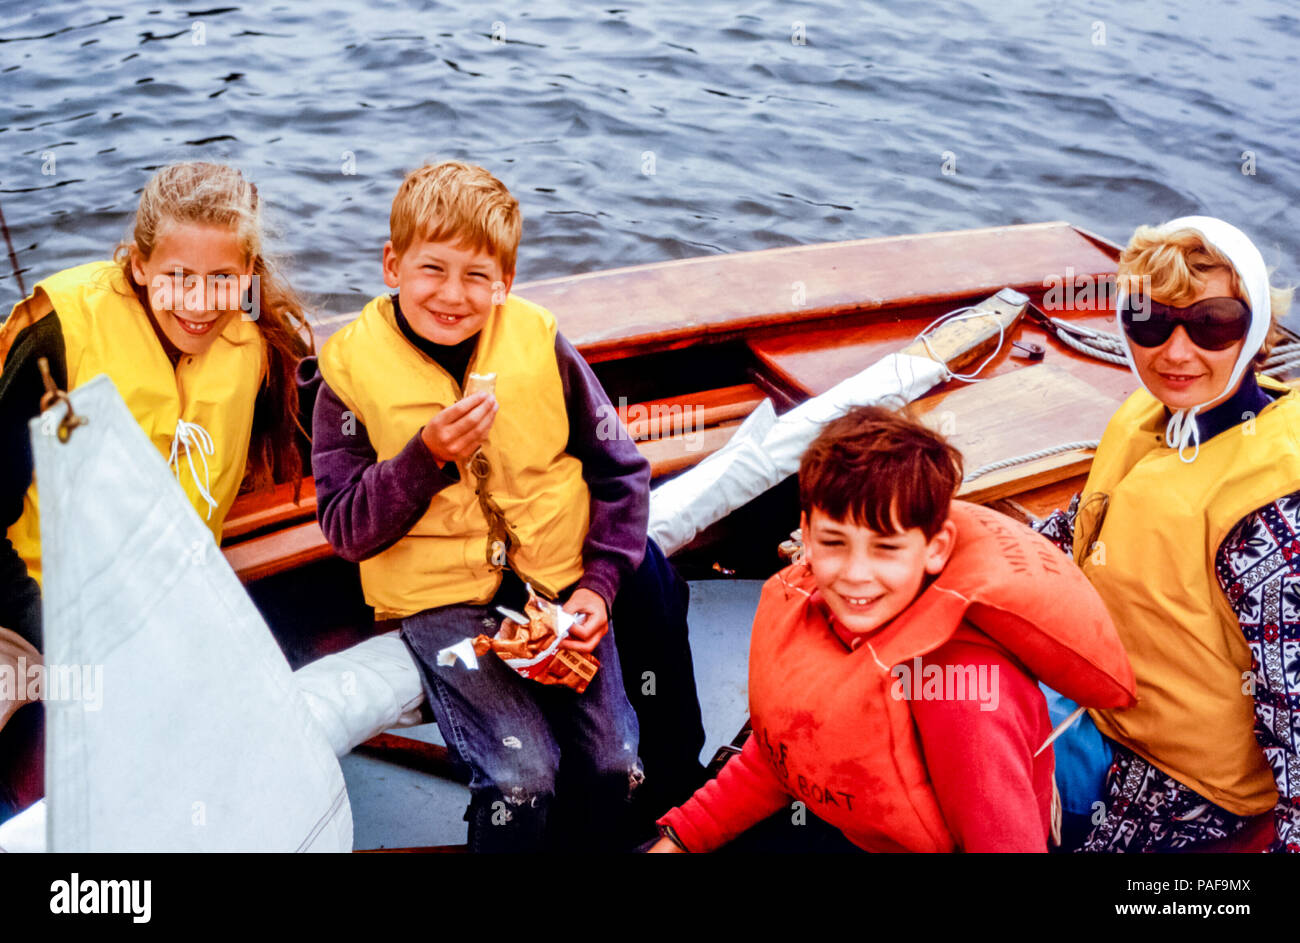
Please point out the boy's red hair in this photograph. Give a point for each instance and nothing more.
(876, 468)
(459, 203)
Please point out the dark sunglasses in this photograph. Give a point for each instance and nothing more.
(1211, 324)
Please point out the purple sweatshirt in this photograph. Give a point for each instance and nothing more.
(365, 505)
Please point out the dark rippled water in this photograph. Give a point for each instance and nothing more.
(1107, 114)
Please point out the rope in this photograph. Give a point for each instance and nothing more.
(502, 541)
(1282, 358)
(1284, 366)
(1281, 352)
(1099, 344)
(1032, 456)
(195, 438)
(962, 314)
(13, 256)
(501, 537)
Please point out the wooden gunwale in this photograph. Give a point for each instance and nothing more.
(860, 300)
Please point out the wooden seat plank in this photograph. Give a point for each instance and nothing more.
(259, 557)
(690, 412)
(1049, 406)
(268, 508)
(677, 452)
(1044, 499)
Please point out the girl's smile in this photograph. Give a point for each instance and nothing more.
(184, 277)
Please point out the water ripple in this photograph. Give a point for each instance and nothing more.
(657, 132)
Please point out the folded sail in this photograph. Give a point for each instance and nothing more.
(178, 725)
(766, 450)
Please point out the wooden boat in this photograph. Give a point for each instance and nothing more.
(687, 349)
(711, 337)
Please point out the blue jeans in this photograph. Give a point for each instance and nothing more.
(518, 736)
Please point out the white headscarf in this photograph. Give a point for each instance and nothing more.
(1245, 258)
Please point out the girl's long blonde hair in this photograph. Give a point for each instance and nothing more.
(218, 195)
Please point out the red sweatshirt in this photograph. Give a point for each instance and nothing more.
(993, 793)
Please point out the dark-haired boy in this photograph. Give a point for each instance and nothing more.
(879, 705)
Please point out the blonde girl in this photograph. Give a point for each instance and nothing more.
(198, 334)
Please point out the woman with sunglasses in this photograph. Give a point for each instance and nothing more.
(1189, 528)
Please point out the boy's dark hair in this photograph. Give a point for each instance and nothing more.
(877, 468)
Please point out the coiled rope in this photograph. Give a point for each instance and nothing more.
(1282, 358)
(1032, 456)
(1102, 345)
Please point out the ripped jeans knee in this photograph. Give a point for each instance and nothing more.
(635, 776)
(616, 767)
(515, 793)
(630, 774)
(509, 816)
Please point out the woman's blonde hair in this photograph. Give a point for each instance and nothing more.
(209, 194)
(460, 203)
(1173, 267)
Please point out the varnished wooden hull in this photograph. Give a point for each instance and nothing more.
(711, 336)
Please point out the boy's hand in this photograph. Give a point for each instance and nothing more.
(585, 636)
(665, 846)
(457, 431)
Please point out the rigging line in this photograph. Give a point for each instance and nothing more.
(1032, 456)
(13, 256)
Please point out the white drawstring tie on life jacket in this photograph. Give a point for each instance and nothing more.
(1182, 431)
(194, 437)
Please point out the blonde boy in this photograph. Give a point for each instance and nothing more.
(449, 504)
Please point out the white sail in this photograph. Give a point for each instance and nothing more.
(197, 738)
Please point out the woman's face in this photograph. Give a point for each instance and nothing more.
(1182, 375)
(193, 281)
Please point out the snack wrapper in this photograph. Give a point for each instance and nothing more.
(530, 644)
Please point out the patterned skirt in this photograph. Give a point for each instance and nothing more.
(1148, 811)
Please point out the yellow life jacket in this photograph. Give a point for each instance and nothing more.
(105, 330)
(1152, 561)
(393, 390)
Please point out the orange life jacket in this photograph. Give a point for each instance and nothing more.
(837, 724)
